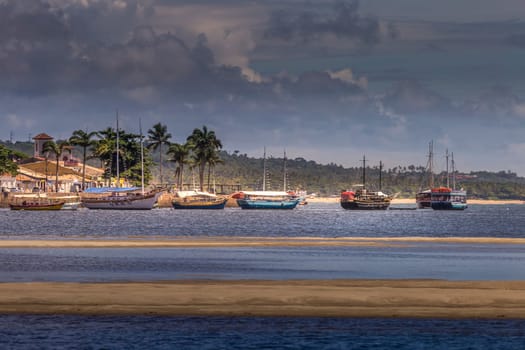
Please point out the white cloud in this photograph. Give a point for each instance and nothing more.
(347, 76)
(228, 28)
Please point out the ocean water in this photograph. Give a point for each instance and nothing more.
(104, 332)
(452, 261)
(313, 220)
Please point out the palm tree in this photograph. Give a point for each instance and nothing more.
(204, 143)
(105, 149)
(57, 149)
(158, 136)
(213, 160)
(84, 140)
(179, 155)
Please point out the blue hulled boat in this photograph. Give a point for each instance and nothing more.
(445, 198)
(267, 200)
(448, 198)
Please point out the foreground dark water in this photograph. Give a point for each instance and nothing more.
(75, 332)
(418, 260)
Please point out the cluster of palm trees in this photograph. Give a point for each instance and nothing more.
(200, 150)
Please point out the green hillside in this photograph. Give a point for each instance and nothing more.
(330, 179)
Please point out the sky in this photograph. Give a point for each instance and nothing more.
(328, 81)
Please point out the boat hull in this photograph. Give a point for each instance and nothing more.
(56, 206)
(447, 199)
(135, 202)
(267, 204)
(423, 200)
(424, 205)
(449, 206)
(202, 205)
(361, 205)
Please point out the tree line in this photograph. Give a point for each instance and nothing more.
(202, 151)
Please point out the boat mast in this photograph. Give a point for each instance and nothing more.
(264, 169)
(118, 155)
(141, 158)
(453, 172)
(284, 172)
(448, 177)
(431, 163)
(380, 173)
(364, 172)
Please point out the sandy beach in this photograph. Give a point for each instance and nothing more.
(325, 298)
(225, 241)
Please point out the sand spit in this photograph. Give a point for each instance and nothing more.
(327, 298)
(225, 242)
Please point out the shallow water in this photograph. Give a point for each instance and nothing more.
(452, 261)
(407, 260)
(437, 261)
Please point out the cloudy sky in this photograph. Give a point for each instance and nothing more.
(327, 80)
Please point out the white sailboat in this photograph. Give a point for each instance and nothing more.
(449, 198)
(267, 199)
(119, 198)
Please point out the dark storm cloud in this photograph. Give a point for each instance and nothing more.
(410, 97)
(346, 22)
(40, 55)
(496, 103)
(103, 21)
(34, 46)
(43, 55)
(318, 84)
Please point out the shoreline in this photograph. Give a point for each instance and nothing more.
(413, 201)
(288, 298)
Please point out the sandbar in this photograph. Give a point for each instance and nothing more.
(297, 298)
(256, 242)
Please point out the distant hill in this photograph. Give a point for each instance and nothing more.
(24, 147)
(330, 179)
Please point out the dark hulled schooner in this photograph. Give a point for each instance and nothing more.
(363, 199)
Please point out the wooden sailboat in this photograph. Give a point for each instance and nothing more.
(363, 199)
(36, 203)
(118, 198)
(198, 200)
